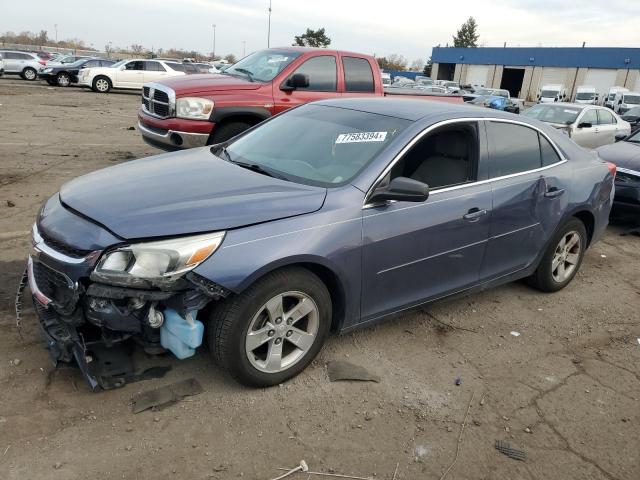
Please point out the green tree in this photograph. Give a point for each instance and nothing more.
(312, 38)
(467, 36)
(428, 67)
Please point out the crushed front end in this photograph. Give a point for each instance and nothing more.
(92, 311)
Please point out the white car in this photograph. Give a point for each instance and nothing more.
(590, 126)
(128, 74)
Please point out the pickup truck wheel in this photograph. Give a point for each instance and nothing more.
(63, 79)
(29, 74)
(273, 330)
(227, 130)
(562, 259)
(101, 85)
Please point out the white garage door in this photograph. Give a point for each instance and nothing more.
(477, 75)
(601, 78)
(553, 76)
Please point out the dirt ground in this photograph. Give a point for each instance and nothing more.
(566, 390)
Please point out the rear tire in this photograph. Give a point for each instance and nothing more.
(101, 84)
(63, 79)
(227, 131)
(29, 74)
(562, 259)
(260, 347)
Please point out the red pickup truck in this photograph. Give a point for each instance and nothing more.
(197, 110)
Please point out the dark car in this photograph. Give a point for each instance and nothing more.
(64, 74)
(496, 102)
(633, 117)
(625, 155)
(326, 218)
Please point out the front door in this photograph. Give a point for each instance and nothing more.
(586, 133)
(414, 252)
(322, 72)
(529, 197)
(130, 75)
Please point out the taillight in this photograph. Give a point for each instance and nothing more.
(42, 62)
(612, 168)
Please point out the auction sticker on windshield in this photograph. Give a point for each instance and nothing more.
(361, 137)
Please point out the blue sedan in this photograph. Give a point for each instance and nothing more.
(327, 218)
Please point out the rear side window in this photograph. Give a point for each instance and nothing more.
(322, 73)
(512, 148)
(92, 63)
(178, 67)
(549, 154)
(154, 67)
(605, 118)
(358, 76)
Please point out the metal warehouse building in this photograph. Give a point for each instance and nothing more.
(523, 71)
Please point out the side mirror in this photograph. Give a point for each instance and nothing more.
(620, 102)
(620, 136)
(401, 189)
(585, 125)
(297, 80)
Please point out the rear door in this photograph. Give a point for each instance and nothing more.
(153, 71)
(359, 80)
(131, 75)
(607, 127)
(529, 196)
(323, 83)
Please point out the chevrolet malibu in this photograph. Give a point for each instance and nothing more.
(329, 217)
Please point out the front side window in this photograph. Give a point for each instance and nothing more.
(590, 116)
(322, 73)
(512, 148)
(358, 76)
(314, 144)
(443, 158)
(137, 65)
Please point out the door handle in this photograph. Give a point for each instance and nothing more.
(474, 214)
(554, 192)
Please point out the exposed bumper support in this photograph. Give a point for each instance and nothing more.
(171, 139)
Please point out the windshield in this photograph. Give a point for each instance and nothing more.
(633, 112)
(484, 91)
(315, 144)
(264, 65)
(631, 99)
(611, 96)
(635, 138)
(548, 93)
(585, 95)
(553, 114)
(425, 81)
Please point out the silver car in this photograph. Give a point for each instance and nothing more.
(25, 64)
(590, 126)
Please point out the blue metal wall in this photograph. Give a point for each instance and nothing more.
(396, 73)
(545, 57)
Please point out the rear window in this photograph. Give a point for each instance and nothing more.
(358, 76)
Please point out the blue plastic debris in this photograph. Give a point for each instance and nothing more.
(179, 335)
(458, 381)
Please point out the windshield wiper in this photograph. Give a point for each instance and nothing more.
(223, 149)
(254, 167)
(248, 73)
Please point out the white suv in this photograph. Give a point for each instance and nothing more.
(130, 74)
(25, 64)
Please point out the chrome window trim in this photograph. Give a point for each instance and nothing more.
(430, 128)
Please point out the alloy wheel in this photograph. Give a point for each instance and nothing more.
(102, 85)
(63, 80)
(282, 331)
(566, 256)
(29, 74)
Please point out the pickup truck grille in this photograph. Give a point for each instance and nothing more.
(157, 101)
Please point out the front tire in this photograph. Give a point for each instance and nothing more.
(562, 259)
(29, 74)
(273, 330)
(101, 84)
(227, 131)
(63, 79)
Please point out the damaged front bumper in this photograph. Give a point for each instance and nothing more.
(96, 325)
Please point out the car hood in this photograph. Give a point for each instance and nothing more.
(207, 83)
(622, 154)
(181, 193)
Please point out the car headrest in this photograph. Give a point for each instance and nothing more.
(451, 144)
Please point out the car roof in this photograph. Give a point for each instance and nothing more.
(411, 109)
(580, 106)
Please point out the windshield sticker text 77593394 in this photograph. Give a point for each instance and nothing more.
(361, 137)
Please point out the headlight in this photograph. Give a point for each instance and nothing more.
(47, 70)
(194, 108)
(153, 263)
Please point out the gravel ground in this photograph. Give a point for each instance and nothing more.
(566, 391)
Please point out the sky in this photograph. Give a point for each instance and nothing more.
(409, 28)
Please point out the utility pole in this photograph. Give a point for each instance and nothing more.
(213, 53)
(55, 27)
(269, 27)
